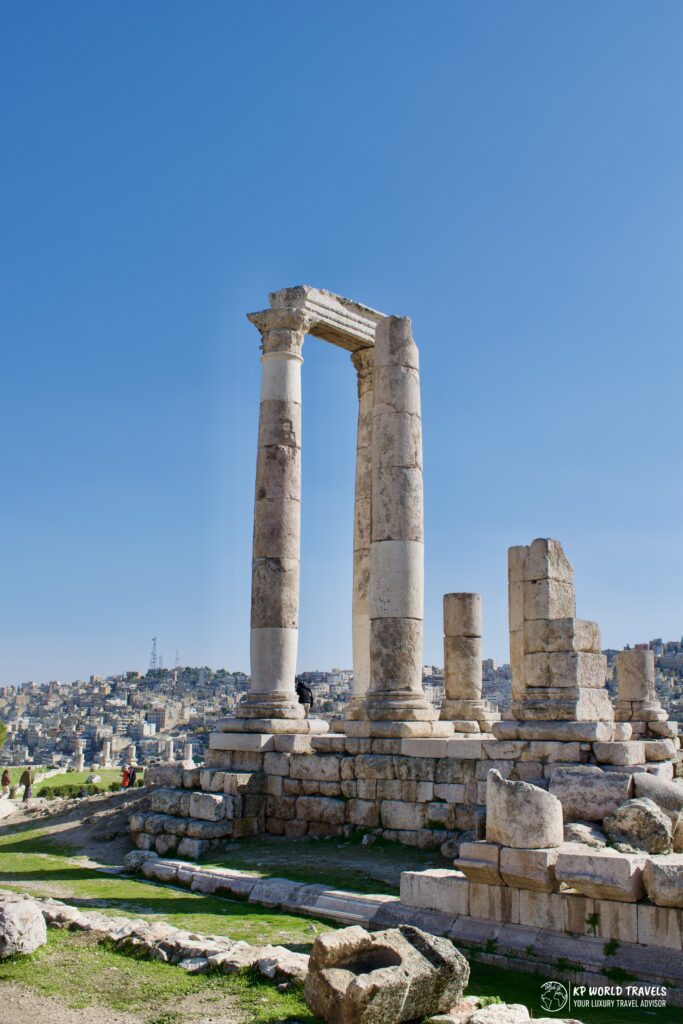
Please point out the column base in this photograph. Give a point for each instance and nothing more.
(365, 729)
(463, 713)
(570, 704)
(270, 705)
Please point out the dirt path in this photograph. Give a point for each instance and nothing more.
(20, 1005)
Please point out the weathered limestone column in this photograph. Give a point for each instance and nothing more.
(106, 753)
(187, 753)
(364, 362)
(277, 520)
(170, 751)
(463, 704)
(397, 548)
(79, 757)
(636, 694)
(131, 753)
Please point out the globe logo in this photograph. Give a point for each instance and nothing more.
(554, 996)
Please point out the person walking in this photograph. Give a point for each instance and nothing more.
(26, 781)
(305, 695)
(125, 777)
(6, 782)
(132, 777)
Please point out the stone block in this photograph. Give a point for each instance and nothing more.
(296, 829)
(247, 741)
(635, 674)
(541, 910)
(321, 808)
(399, 814)
(297, 743)
(462, 615)
(480, 862)
(452, 793)
(192, 848)
(417, 769)
(208, 806)
(659, 750)
(164, 800)
(548, 599)
(425, 747)
(374, 766)
(363, 812)
(578, 911)
(588, 793)
(617, 920)
(529, 869)
(440, 816)
(464, 749)
(660, 926)
(516, 606)
(368, 789)
(494, 902)
(521, 815)
(663, 879)
(557, 635)
(276, 764)
(281, 807)
(545, 560)
(436, 889)
(165, 844)
(323, 767)
(601, 874)
(632, 752)
(516, 558)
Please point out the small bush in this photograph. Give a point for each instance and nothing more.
(69, 791)
(114, 787)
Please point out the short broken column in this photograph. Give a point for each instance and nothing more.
(463, 704)
(364, 362)
(637, 700)
(397, 551)
(106, 753)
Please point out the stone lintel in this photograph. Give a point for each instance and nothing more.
(333, 318)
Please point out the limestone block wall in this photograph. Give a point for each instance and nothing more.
(420, 792)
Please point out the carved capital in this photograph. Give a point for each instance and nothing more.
(282, 330)
(364, 362)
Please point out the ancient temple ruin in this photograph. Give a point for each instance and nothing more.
(495, 793)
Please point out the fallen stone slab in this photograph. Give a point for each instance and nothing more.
(603, 874)
(521, 815)
(663, 878)
(529, 869)
(586, 833)
(386, 977)
(588, 793)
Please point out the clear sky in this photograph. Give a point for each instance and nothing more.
(507, 174)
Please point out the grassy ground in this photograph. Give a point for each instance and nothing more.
(29, 862)
(342, 864)
(107, 775)
(81, 972)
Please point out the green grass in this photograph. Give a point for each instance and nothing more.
(107, 775)
(16, 773)
(82, 972)
(337, 863)
(30, 862)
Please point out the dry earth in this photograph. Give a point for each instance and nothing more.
(20, 1005)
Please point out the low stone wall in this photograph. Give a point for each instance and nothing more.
(420, 792)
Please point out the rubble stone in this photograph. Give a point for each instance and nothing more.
(641, 824)
(22, 927)
(586, 792)
(521, 815)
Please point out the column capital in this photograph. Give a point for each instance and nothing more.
(364, 362)
(282, 330)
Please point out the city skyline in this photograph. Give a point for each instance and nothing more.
(527, 218)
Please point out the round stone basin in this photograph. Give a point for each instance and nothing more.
(371, 960)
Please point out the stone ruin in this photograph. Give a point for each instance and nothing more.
(564, 758)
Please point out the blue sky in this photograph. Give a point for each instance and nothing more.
(509, 175)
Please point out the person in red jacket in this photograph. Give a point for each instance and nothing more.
(125, 778)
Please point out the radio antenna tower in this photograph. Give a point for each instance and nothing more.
(153, 663)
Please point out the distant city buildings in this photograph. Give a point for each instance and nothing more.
(47, 722)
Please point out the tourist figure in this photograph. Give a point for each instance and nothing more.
(26, 781)
(132, 777)
(6, 782)
(305, 695)
(125, 777)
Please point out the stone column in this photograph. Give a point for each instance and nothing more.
(277, 521)
(187, 753)
(170, 752)
(463, 704)
(131, 753)
(364, 362)
(636, 694)
(79, 757)
(397, 548)
(106, 753)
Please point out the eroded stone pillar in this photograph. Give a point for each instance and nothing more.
(277, 520)
(187, 754)
(364, 362)
(463, 704)
(397, 548)
(106, 753)
(637, 699)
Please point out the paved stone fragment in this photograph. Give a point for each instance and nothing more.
(601, 874)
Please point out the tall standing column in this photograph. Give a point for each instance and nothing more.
(364, 362)
(277, 520)
(397, 549)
